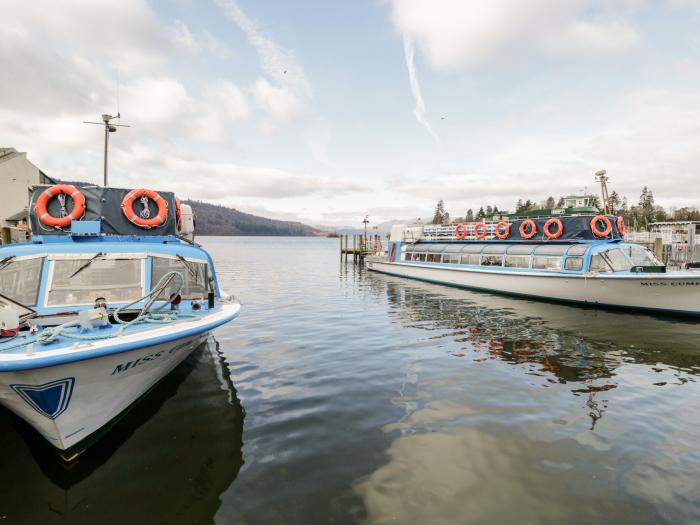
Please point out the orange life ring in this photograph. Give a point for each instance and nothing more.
(556, 234)
(533, 229)
(178, 214)
(506, 231)
(145, 222)
(621, 228)
(461, 232)
(42, 204)
(480, 230)
(594, 226)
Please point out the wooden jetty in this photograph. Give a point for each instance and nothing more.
(361, 247)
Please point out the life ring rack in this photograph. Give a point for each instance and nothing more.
(140, 220)
(69, 190)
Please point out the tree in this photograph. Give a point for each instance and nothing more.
(480, 214)
(495, 210)
(439, 216)
(446, 218)
(528, 205)
(470, 216)
(615, 201)
(519, 206)
(549, 203)
(489, 211)
(560, 202)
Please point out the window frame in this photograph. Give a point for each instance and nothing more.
(42, 267)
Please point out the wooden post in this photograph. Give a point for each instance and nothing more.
(659, 248)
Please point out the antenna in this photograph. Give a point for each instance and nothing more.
(601, 176)
(109, 128)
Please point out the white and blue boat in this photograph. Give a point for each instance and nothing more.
(574, 259)
(107, 298)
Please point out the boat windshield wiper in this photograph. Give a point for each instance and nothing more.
(76, 272)
(187, 264)
(7, 261)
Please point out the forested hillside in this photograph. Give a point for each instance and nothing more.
(212, 219)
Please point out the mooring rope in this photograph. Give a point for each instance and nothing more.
(150, 316)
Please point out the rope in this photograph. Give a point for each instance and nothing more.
(150, 316)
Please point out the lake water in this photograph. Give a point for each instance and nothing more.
(345, 396)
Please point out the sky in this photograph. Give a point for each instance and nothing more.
(323, 110)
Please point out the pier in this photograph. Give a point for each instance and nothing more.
(362, 245)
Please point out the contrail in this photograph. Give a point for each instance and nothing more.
(419, 110)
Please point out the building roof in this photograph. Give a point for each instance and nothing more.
(8, 153)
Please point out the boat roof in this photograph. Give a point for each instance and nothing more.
(166, 245)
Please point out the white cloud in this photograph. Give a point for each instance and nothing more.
(292, 89)
(277, 101)
(454, 33)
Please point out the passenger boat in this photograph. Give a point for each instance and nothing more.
(108, 297)
(575, 259)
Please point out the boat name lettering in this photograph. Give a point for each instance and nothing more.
(678, 283)
(123, 367)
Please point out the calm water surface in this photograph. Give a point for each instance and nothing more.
(341, 396)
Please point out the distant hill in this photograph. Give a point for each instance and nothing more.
(212, 219)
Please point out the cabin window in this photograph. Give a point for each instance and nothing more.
(521, 249)
(471, 258)
(577, 249)
(546, 263)
(517, 261)
(599, 264)
(419, 257)
(550, 249)
(117, 280)
(641, 256)
(492, 260)
(408, 256)
(450, 258)
(195, 274)
(19, 279)
(573, 263)
(618, 261)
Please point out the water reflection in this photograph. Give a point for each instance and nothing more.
(170, 457)
(550, 407)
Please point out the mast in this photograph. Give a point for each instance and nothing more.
(109, 128)
(601, 176)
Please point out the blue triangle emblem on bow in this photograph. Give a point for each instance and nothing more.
(50, 399)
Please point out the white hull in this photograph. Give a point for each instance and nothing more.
(68, 402)
(101, 389)
(671, 292)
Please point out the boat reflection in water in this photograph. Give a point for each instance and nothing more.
(552, 407)
(170, 457)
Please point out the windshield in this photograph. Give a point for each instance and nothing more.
(117, 280)
(641, 256)
(20, 278)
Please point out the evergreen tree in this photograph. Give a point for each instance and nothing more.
(615, 201)
(446, 218)
(549, 203)
(470, 216)
(439, 215)
(519, 206)
(480, 214)
(560, 202)
(528, 205)
(495, 210)
(489, 211)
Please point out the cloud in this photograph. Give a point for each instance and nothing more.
(277, 101)
(454, 34)
(419, 111)
(291, 90)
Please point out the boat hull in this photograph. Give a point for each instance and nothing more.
(669, 293)
(68, 403)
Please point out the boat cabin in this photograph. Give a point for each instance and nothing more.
(576, 257)
(59, 277)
